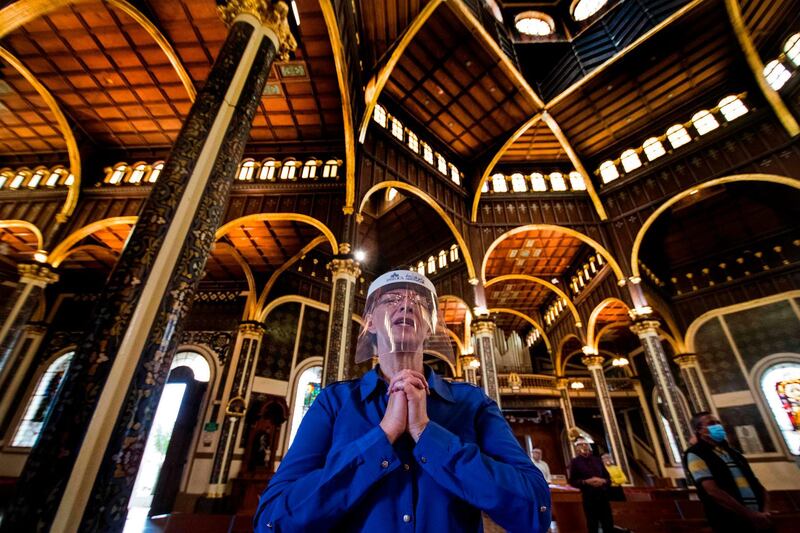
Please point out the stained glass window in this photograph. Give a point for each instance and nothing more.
(309, 385)
(40, 402)
(780, 385)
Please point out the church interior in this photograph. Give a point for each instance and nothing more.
(196, 195)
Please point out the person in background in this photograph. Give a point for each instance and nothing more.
(536, 457)
(401, 449)
(588, 473)
(618, 478)
(733, 498)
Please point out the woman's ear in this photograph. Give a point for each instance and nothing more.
(369, 325)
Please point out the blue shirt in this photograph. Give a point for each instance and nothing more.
(343, 474)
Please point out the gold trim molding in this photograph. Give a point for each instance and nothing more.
(346, 267)
(37, 274)
(686, 359)
(593, 361)
(644, 327)
(272, 16)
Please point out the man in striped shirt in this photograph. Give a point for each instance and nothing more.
(732, 496)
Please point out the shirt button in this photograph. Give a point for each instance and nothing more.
(423, 459)
(543, 508)
(384, 464)
(406, 468)
(269, 524)
(406, 518)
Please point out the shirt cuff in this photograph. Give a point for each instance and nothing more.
(435, 444)
(377, 452)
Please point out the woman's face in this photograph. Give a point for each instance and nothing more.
(401, 320)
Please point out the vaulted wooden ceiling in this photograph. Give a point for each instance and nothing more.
(541, 253)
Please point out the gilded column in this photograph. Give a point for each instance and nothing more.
(647, 331)
(595, 365)
(17, 367)
(690, 372)
(469, 368)
(562, 384)
(338, 361)
(106, 403)
(485, 349)
(17, 311)
(235, 399)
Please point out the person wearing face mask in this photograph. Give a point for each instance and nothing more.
(733, 498)
(588, 473)
(401, 449)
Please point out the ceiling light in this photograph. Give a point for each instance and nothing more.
(360, 255)
(620, 361)
(40, 256)
(577, 385)
(534, 23)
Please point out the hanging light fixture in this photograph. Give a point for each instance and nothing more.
(577, 385)
(620, 361)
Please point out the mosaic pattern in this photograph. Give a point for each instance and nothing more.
(746, 415)
(716, 358)
(314, 334)
(275, 358)
(338, 306)
(764, 330)
(609, 418)
(219, 341)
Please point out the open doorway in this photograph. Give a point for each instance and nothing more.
(160, 472)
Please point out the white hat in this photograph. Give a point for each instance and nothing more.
(401, 276)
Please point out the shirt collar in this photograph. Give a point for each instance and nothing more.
(372, 382)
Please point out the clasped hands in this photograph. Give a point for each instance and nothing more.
(595, 481)
(407, 409)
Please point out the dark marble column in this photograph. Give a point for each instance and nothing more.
(17, 310)
(690, 372)
(595, 365)
(338, 360)
(235, 398)
(647, 331)
(485, 349)
(80, 474)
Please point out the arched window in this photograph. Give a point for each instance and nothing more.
(412, 141)
(583, 9)
(534, 23)
(309, 383)
(608, 171)
(268, 168)
(37, 177)
(630, 160)
(391, 194)
(704, 122)
(379, 115)
(421, 267)
(138, 172)
(776, 74)
(117, 174)
(557, 181)
(427, 152)
(431, 265)
(678, 136)
(441, 164)
(397, 129)
(69, 180)
(19, 178)
(576, 181)
(442, 259)
(289, 169)
(732, 107)
(196, 362)
(538, 182)
(156, 172)
(5, 176)
(485, 186)
(310, 169)
(792, 49)
(653, 148)
(780, 384)
(518, 182)
(455, 175)
(499, 183)
(331, 169)
(41, 401)
(55, 176)
(453, 253)
(246, 170)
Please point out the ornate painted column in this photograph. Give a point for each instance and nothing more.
(690, 372)
(678, 418)
(80, 474)
(17, 366)
(469, 367)
(562, 384)
(594, 363)
(483, 329)
(235, 399)
(17, 311)
(338, 360)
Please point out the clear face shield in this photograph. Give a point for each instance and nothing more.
(402, 316)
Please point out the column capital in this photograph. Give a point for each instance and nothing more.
(271, 15)
(562, 383)
(344, 266)
(252, 327)
(686, 359)
(593, 361)
(37, 274)
(641, 327)
(483, 325)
